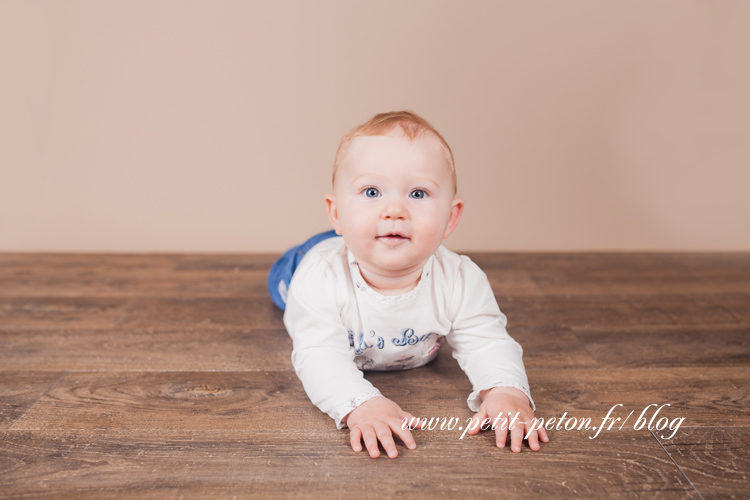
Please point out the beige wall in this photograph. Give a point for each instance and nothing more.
(211, 126)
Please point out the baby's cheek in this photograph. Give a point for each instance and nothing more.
(435, 229)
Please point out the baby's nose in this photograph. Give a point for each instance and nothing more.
(394, 210)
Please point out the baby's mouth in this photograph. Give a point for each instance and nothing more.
(392, 237)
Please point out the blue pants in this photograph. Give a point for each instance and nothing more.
(282, 270)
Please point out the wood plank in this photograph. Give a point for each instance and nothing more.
(226, 262)
(610, 312)
(117, 263)
(253, 464)
(715, 459)
(626, 272)
(708, 396)
(727, 266)
(552, 347)
(664, 347)
(276, 400)
(56, 312)
(83, 264)
(122, 349)
(512, 282)
(644, 274)
(128, 276)
(133, 285)
(208, 313)
(19, 390)
(736, 304)
(174, 400)
(223, 400)
(640, 262)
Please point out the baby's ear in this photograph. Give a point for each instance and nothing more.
(333, 213)
(457, 208)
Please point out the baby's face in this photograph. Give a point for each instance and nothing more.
(393, 201)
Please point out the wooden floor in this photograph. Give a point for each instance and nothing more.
(168, 376)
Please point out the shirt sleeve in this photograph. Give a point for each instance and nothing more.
(322, 357)
(482, 346)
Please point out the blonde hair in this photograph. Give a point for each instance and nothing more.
(412, 126)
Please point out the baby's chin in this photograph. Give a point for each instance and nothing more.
(392, 268)
(391, 259)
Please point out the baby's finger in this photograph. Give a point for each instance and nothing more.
(475, 424)
(386, 439)
(516, 437)
(543, 435)
(501, 433)
(405, 436)
(371, 441)
(532, 439)
(355, 437)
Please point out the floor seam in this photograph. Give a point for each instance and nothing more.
(37, 400)
(677, 465)
(585, 347)
(127, 312)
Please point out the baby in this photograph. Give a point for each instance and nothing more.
(387, 294)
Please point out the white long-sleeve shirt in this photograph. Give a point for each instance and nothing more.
(340, 326)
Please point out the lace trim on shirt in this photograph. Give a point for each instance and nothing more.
(344, 410)
(475, 401)
(362, 286)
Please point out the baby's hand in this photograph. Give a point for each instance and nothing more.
(373, 421)
(507, 401)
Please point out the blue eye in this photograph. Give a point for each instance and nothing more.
(372, 193)
(418, 194)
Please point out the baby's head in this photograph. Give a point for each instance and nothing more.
(394, 186)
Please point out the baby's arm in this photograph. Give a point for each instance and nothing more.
(492, 360)
(324, 362)
(376, 420)
(515, 414)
